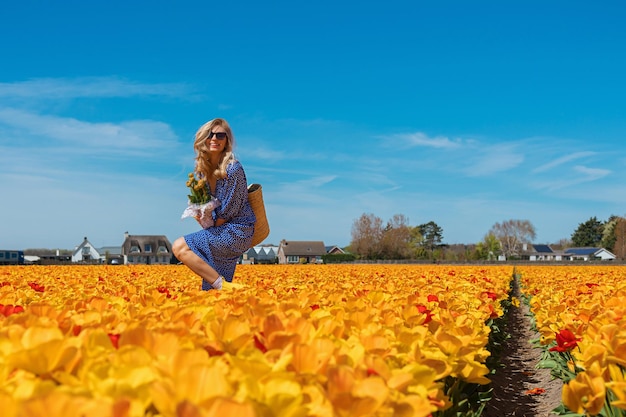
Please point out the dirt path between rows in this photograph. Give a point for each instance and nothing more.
(518, 373)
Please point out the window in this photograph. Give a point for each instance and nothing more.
(147, 247)
(86, 250)
(162, 249)
(1, 255)
(134, 249)
(293, 259)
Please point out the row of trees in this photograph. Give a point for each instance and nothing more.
(371, 239)
(609, 234)
(396, 239)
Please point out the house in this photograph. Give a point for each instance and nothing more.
(111, 255)
(587, 254)
(540, 253)
(300, 251)
(146, 249)
(85, 252)
(260, 255)
(334, 250)
(545, 253)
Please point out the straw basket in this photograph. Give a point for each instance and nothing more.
(261, 227)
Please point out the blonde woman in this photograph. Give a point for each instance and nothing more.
(212, 253)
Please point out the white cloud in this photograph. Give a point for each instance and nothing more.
(585, 175)
(562, 160)
(306, 185)
(62, 88)
(421, 139)
(591, 174)
(135, 136)
(494, 159)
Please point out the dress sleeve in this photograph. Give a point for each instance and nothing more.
(234, 192)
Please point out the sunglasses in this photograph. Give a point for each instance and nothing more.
(218, 135)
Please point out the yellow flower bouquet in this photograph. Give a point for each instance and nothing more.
(201, 203)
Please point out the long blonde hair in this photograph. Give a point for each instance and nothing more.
(203, 163)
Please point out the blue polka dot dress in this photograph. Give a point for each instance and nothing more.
(222, 246)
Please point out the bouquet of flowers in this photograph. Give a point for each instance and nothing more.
(201, 204)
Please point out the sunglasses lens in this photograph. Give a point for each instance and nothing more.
(218, 135)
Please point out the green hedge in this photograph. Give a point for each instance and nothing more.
(338, 258)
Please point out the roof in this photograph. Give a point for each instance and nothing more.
(263, 252)
(581, 251)
(112, 250)
(334, 248)
(84, 243)
(543, 249)
(159, 244)
(303, 248)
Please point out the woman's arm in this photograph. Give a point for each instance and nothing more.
(232, 195)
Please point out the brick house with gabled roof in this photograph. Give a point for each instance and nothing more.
(300, 251)
(146, 249)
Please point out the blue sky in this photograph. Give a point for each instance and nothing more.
(463, 113)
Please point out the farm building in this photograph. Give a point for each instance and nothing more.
(11, 257)
(261, 255)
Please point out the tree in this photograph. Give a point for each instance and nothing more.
(489, 248)
(432, 235)
(416, 244)
(512, 234)
(619, 249)
(608, 236)
(588, 233)
(367, 232)
(396, 237)
(562, 244)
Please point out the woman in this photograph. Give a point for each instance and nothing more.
(213, 253)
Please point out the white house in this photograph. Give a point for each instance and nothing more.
(85, 252)
(533, 252)
(586, 254)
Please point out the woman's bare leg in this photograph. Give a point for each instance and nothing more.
(194, 262)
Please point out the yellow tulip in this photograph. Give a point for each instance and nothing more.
(586, 393)
(619, 389)
(284, 397)
(45, 350)
(8, 405)
(312, 358)
(226, 407)
(413, 406)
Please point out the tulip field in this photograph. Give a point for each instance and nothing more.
(581, 315)
(297, 340)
